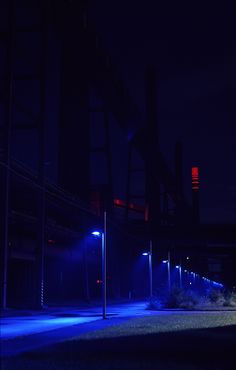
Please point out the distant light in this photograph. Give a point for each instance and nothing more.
(165, 261)
(195, 171)
(185, 271)
(188, 258)
(96, 233)
(177, 266)
(51, 241)
(119, 203)
(190, 283)
(195, 178)
(145, 253)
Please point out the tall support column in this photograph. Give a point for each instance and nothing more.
(74, 126)
(152, 188)
(109, 201)
(104, 268)
(179, 169)
(180, 212)
(150, 268)
(86, 271)
(128, 181)
(168, 267)
(165, 208)
(133, 170)
(40, 258)
(195, 195)
(5, 160)
(102, 150)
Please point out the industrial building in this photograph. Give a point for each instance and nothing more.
(73, 145)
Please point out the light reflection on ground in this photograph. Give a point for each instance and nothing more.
(25, 326)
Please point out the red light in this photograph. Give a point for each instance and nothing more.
(195, 172)
(119, 203)
(131, 206)
(51, 241)
(195, 178)
(99, 281)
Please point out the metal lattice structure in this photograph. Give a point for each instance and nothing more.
(51, 59)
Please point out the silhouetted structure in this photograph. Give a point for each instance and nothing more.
(52, 67)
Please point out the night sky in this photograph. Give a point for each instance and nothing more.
(194, 51)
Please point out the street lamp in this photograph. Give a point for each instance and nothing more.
(102, 234)
(180, 274)
(149, 254)
(168, 271)
(96, 233)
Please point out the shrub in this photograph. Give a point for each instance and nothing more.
(154, 304)
(180, 298)
(216, 296)
(230, 300)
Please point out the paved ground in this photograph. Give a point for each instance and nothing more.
(21, 332)
(26, 331)
(56, 318)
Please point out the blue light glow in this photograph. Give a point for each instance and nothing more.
(177, 267)
(19, 326)
(145, 253)
(165, 261)
(96, 233)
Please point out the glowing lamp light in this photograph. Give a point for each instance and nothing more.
(96, 233)
(195, 178)
(165, 261)
(195, 172)
(145, 254)
(177, 266)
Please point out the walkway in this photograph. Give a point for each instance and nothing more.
(23, 333)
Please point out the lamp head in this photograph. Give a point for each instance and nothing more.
(96, 233)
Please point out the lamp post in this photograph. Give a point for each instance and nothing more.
(168, 271)
(180, 275)
(149, 254)
(104, 265)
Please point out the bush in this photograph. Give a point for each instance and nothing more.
(230, 300)
(180, 298)
(154, 304)
(216, 296)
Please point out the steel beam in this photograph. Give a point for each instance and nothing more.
(5, 159)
